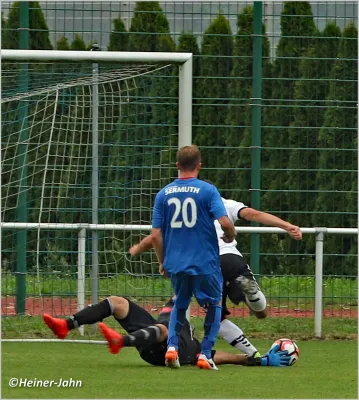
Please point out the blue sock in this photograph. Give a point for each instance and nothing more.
(176, 323)
(211, 328)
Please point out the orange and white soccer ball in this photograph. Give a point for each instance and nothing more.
(290, 346)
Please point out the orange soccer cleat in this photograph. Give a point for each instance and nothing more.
(171, 358)
(114, 339)
(57, 325)
(206, 363)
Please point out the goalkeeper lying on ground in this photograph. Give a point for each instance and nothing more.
(149, 336)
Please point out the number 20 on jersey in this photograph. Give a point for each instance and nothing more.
(180, 215)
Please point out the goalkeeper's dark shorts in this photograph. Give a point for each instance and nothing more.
(139, 318)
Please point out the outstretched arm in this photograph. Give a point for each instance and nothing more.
(147, 244)
(273, 358)
(250, 214)
(144, 245)
(221, 357)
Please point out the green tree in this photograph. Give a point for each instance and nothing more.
(63, 44)
(39, 31)
(118, 37)
(239, 115)
(297, 31)
(78, 44)
(150, 32)
(145, 122)
(187, 43)
(3, 30)
(297, 26)
(310, 94)
(150, 28)
(336, 202)
(215, 71)
(112, 169)
(38, 39)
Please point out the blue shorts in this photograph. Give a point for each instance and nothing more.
(207, 289)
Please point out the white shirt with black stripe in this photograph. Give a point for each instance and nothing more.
(233, 209)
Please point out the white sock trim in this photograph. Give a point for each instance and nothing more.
(258, 303)
(234, 335)
(112, 308)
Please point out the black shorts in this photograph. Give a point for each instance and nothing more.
(233, 266)
(139, 318)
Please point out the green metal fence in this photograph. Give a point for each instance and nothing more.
(277, 131)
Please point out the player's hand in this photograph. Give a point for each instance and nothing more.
(226, 239)
(295, 232)
(134, 250)
(276, 358)
(162, 270)
(229, 238)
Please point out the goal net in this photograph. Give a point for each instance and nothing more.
(82, 142)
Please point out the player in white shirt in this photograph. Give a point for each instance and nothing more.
(239, 282)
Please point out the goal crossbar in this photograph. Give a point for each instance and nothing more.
(183, 59)
(95, 56)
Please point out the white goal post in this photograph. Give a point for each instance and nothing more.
(94, 58)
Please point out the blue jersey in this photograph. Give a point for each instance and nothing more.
(185, 211)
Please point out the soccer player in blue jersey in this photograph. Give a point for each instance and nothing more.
(186, 245)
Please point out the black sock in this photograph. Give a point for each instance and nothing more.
(90, 315)
(143, 337)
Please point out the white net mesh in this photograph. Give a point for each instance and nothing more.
(47, 173)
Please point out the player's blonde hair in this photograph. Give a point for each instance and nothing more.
(188, 157)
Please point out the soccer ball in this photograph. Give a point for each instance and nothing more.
(290, 346)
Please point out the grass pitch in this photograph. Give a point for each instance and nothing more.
(326, 369)
(269, 328)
